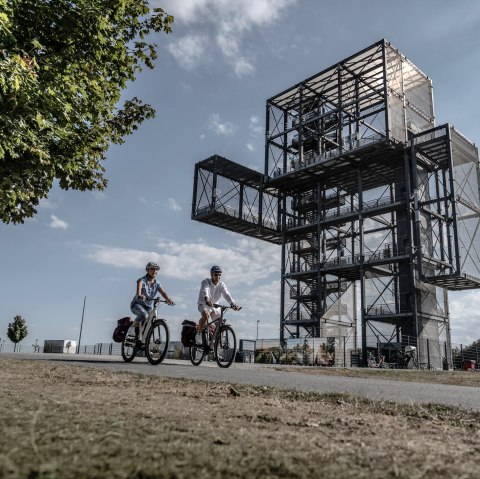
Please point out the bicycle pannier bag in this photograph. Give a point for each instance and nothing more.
(121, 330)
(189, 330)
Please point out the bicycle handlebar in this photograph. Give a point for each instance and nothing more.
(223, 306)
(156, 300)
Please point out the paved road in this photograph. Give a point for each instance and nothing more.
(285, 378)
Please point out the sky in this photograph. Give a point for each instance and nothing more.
(213, 75)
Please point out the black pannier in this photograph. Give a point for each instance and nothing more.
(189, 330)
(122, 328)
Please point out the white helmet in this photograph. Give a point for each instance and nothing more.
(152, 264)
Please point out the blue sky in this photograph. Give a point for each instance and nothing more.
(213, 75)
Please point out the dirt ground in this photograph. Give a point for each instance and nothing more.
(64, 421)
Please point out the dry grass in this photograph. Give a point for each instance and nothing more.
(63, 421)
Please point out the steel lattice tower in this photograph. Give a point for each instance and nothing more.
(377, 210)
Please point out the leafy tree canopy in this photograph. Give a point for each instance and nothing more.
(63, 66)
(17, 330)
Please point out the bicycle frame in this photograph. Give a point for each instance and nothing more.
(152, 316)
(153, 337)
(218, 323)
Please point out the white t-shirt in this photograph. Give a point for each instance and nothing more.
(213, 292)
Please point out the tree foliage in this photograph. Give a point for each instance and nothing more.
(63, 66)
(17, 330)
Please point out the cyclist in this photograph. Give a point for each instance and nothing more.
(142, 302)
(211, 290)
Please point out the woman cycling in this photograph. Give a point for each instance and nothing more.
(142, 302)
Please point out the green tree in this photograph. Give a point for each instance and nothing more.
(63, 66)
(17, 330)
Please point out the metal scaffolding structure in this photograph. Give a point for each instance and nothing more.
(377, 210)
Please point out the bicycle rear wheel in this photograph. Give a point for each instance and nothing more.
(225, 347)
(156, 344)
(129, 351)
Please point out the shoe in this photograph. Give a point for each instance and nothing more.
(198, 339)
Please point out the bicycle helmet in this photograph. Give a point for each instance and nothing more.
(152, 264)
(215, 269)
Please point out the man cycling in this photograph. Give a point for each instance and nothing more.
(142, 302)
(211, 290)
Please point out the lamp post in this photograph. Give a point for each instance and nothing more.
(257, 329)
(81, 325)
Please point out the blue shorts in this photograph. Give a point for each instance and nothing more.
(140, 311)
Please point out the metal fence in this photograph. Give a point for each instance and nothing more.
(306, 351)
(323, 352)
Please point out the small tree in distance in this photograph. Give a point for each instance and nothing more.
(17, 331)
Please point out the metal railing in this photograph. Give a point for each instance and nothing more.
(336, 351)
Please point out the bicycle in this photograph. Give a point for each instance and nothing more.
(223, 339)
(154, 335)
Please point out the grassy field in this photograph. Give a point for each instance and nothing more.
(64, 421)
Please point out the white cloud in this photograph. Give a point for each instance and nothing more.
(220, 128)
(228, 22)
(266, 298)
(255, 130)
(265, 301)
(228, 44)
(229, 15)
(230, 47)
(47, 204)
(98, 195)
(245, 261)
(173, 205)
(57, 223)
(242, 66)
(187, 12)
(254, 126)
(121, 257)
(189, 51)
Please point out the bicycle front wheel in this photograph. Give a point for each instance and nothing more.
(225, 347)
(129, 351)
(156, 344)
